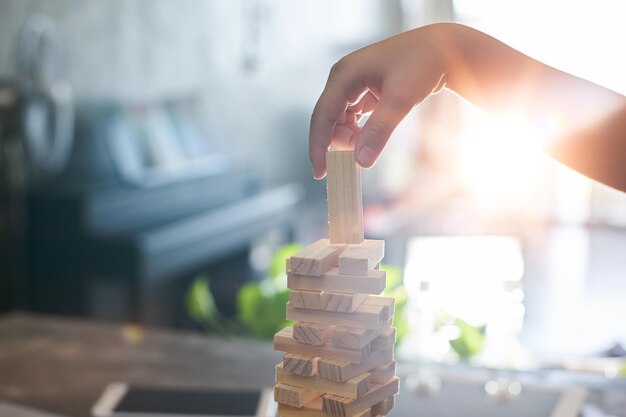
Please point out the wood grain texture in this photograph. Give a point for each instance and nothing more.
(345, 206)
(294, 396)
(284, 342)
(385, 340)
(341, 301)
(306, 299)
(387, 304)
(352, 388)
(333, 281)
(362, 258)
(374, 313)
(352, 337)
(300, 364)
(383, 373)
(384, 407)
(342, 407)
(341, 371)
(312, 409)
(311, 333)
(316, 259)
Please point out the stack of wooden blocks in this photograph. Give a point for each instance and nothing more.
(338, 357)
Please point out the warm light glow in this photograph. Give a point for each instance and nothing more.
(501, 162)
(473, 278)
(464, 274)
(553, 36)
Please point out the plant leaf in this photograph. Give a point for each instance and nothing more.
(470, 340)
(277, 267)
(200, 302)
(394, 276)
(263, 313)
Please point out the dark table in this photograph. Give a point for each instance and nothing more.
(62, 365)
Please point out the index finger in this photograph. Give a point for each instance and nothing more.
(342, 88)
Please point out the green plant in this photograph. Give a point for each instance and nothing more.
(396, 289)
(261, 305)
(470, 341)
(202, 309)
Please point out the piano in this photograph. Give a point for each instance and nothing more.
(146, 203)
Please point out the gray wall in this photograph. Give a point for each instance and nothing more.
(257, 64)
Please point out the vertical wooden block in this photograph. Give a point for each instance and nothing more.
(362, 258)
(386, 340)
(311, 333)
(300, 364)
(343, 407)
(306, 299)
(345, 206)
(352, 337)
(315, 259)
(383, 373)
(384, 407)
(294, 396)
(385, 305)
(342, 302)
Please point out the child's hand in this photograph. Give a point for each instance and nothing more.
(390, 77)
(387, 78)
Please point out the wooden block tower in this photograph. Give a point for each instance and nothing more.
(338, 357)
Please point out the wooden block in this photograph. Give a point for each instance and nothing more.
(384, 407)
(375, 313)
(341, 301)
(300, 364)
(306, 299)
(352, 388)
(311, 333)
(362, 258)
(352, 337)
(387, 304)
(364, 413)
(316, 259)
(294, 396)
(373, 283)
(340, 371)
(386, 340)
(312, 409)
(341, 407)
(284, 342)
(345, 205)
(383, 373)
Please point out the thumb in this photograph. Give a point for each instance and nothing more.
(374, 135)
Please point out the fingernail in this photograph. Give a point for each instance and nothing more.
(316, 175)
(366, 156)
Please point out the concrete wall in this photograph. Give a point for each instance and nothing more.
(258, 65)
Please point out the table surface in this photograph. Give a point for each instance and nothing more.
(62, 365)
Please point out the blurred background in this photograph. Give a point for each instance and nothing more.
(154, 169)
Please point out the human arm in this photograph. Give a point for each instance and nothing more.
(390, 77)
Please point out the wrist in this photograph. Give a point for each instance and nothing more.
(450, 51)
(441, 46)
